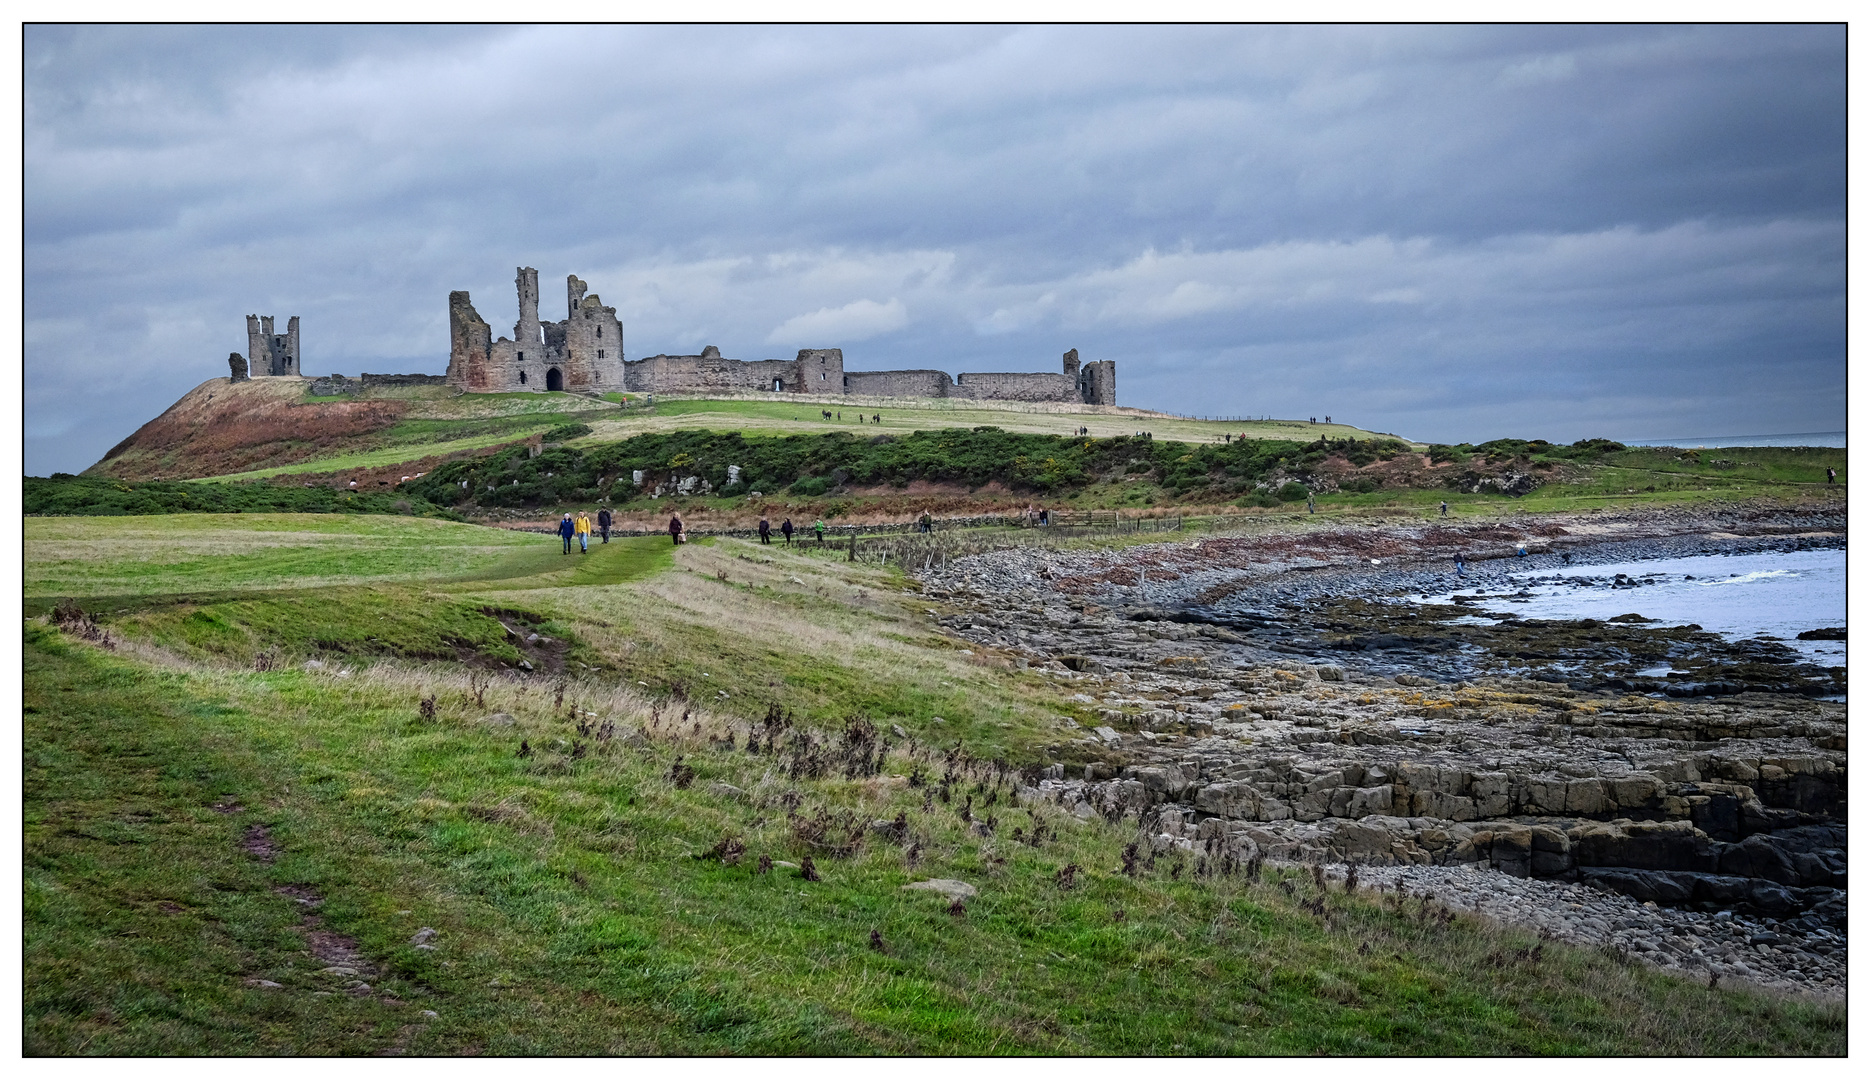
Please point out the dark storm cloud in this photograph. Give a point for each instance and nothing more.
(1445, 232)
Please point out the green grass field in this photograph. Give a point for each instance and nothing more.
(783, 416)
(195, 829)
(182, 553)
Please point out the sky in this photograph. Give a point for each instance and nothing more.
(1450, 233)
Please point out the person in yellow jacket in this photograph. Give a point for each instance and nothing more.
(583, 529)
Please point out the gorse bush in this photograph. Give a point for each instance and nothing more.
(814, 465)
(64, 494)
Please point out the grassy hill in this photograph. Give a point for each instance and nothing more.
(269, 428)
(333, 784)
(430, 451)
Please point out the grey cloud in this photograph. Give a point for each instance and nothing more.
(1643, 223)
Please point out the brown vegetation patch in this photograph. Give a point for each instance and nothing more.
(219, 428)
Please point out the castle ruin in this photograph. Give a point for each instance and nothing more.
(582, 353)
(269, 353)
(585, 353)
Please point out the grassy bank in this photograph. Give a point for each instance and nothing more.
(192, 835)
(228, 860)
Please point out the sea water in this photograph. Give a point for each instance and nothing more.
(1776, 594)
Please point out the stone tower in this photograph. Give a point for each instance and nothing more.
(1097, 382)
(273, 354)
(526, 330)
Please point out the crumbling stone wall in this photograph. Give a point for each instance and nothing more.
(236, 368)
(1015, 386)
(923, 383)
(817, 371)
(330, 385)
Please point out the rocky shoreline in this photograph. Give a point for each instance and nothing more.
(1702, 830)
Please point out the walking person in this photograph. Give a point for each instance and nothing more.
(785, 529)
(766, 530)
(675, 529)
(1444, 508)
(603, 523)
(820, 529)
(1311, 503)
(583, 528)
(927, 522)
(567, 529)
(1831, 475)
(1459, 566)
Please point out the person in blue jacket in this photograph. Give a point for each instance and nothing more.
(565, 529)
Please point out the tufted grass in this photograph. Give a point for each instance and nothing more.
(573, 914)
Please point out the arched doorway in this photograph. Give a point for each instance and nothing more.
(553, 380)
(779, 386)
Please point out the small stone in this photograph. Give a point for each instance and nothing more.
(338, 969)
(264, 984)
(525, 665)
(430, 1013)
(422, 936)
(949, 887)
(723, 790)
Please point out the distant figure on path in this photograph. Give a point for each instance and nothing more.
(566, 529)
(1311, 503)
(876, 418)
(766, 530)
(785, 527)
(927, 522)
(1045, 516)
(675, 529)
(1831, 475)
(603, 523)
(1444, 508)
(1459, 567)
(820, 529)
(583, 529)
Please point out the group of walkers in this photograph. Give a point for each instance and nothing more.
(580, 528)
(786, 530)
